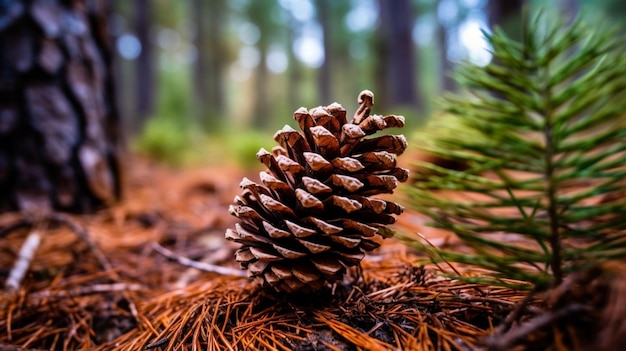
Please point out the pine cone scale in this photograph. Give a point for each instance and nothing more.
(274, 232)
(288, 253)
(346, 241)
(325, 227)
(313, 247)
(263, 255)
(314, 186)
(308, 201)
(300, 231)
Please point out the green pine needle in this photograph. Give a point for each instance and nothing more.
(542, 130)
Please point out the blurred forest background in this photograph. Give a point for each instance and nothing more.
(207, 81)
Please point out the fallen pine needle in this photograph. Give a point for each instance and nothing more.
(206, 267)
(29, 244)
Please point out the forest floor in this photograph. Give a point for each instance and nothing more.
(135, 298)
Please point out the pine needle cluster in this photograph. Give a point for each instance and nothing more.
(541, 131)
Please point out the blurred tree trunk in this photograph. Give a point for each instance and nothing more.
(294, 73)
(260, 13)
(199, 67)
(60, 141)
(209, 101)
(324, 80)
(397, 55)
(261, 115)
(336, 75)
(446, 81)
(506, 14)
(570, 8)
(217, 50)
(145, 82)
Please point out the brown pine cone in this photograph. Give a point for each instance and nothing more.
(312, 217)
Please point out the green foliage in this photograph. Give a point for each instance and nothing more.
(176, 138)
(163, 139)
(166, 140)
(542, 133)
(167, 135)
(173, 96)
(244, 146)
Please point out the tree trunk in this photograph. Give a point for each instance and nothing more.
(446, 81)
(199, 74)
(397, 49)
(506, 14)
(208, 68)
(324, 80)
(60, 142)
(217, 23)
(570, 8)
(294, 73)
(261, 115)
(145, 84)
(260, 14)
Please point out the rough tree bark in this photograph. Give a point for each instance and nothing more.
(60, 142)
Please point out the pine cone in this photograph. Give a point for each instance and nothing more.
(312, 217)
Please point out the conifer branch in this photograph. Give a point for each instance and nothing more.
(541, 137)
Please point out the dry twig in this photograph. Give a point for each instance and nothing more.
(198, 265)
(86, 290)
(83, 235)
(24, 258)
(44, 219)
(507, 340)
